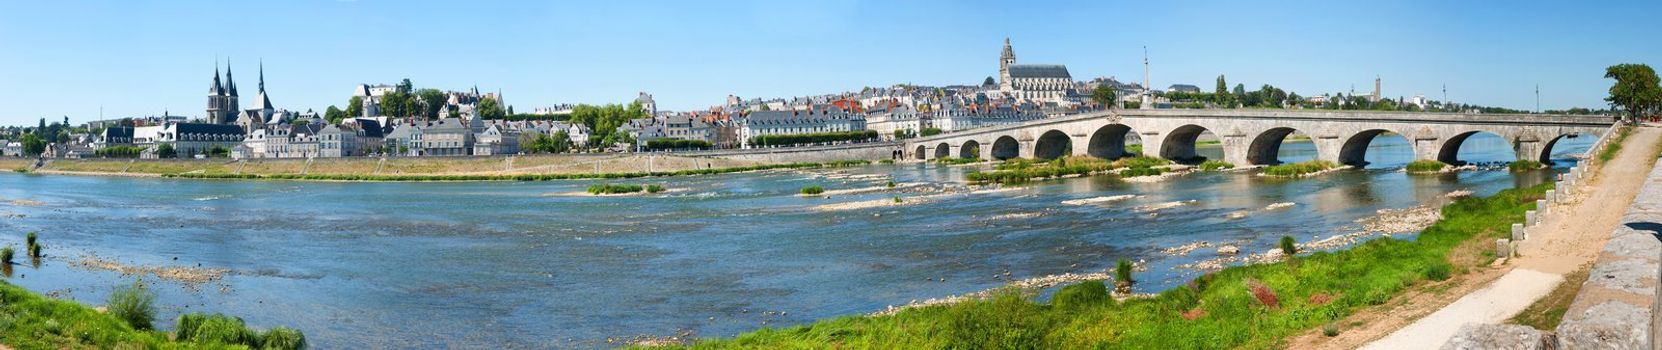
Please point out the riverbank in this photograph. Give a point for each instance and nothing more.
(1216, 310)
(32, 321)
(506, 168)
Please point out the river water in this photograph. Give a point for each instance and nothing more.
(532, 265)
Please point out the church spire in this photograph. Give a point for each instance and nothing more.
(217, 88)
(262, 75)
(230, 83)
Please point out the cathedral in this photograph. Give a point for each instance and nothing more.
(222, 98)
(223, 107)
(1041, 82)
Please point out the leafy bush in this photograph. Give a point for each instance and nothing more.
(1289, 246)
(891, 183)
(1005, 321)
(1299, 169)
(1425, 166)
(185, 328)
(1081, 295)
(813, 190)
(1330, 329)
(1122, 271)
(283, 338)
(34, 251)
(219, 328)
(1438, 271)
(1211, 165)
(654, 188)
(927, 132)
(32, 241)
(897, 199)
(133, 304)
(6, 255)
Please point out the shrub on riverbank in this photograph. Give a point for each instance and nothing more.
(1212, 165)
(598, 189)
(1225, 310)
(6, 255)
(32, 244)
(1140, 162)
(1425, 166)
(133, 304)
(812, 190)
(654, 188)
(221, 329)
(1289, 246)
(1299, 169)
(1524, 165)
(1082, 295)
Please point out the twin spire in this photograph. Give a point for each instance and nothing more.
(229, 86)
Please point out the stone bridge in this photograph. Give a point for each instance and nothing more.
(1251, 136)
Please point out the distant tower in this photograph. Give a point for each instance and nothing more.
(1005, 60)
(1376, 88)
(230, 107)
(216, 98)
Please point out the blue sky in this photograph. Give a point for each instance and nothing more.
(135, 58)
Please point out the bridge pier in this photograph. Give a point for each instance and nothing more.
(1328, 147)
(1427, 147)
(985, 148)
(928, 152)
(1028, 149)
(1080, 144)
(1235, 147)
(1529, 148)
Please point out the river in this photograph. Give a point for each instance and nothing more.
(531, 265)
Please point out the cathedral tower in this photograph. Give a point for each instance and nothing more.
(1005, 60)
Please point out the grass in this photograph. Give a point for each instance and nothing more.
(1140, 162)
(133, 304)
(1524, 165)
(1020, 171)
(32, 241)
(607, 188)
(1615, 145)
(654, 188)
(812, 190)
(222, 329)
(1255, 306)
(1425, 166)
(1546, 313)
(956, 161)
(6, 255)
(1212, 165)
(31, 321)
(890, 184)
(1299, 169)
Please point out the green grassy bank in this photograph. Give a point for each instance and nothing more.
(1255, 306)
(32, 321)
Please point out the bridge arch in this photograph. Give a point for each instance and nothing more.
(1449, 152)
(1108, 142)
(1354, 150)
(1006, 147)
(943, 150)
(1265, 148)
(1052, 144)
(1179, 145)
(921, 153)
(1546, 150)
(969, 150)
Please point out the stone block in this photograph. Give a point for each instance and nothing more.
(1503, 248)
(1518, 233)
(1474, 336)
(1530, 219)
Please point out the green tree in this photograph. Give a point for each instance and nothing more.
(1104, 95)
(166, 151)
(490, 108)
(431, 101)
(334, 115)
(355, 106)
(392, 103)
(405, 86)
(1636, 89)
(1221, 94)
(989, 81)
(33, 145)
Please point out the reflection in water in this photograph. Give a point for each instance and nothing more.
(399, 265)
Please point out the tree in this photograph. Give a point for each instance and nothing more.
(392, 103)
(33, 145)
(355, 106)
(431, 101)
(166, 151)
(1221, 94)
(490, 108)
(334, 114)
(1636, 89)
(989, 81)
(405, 86)
(1104, 95)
